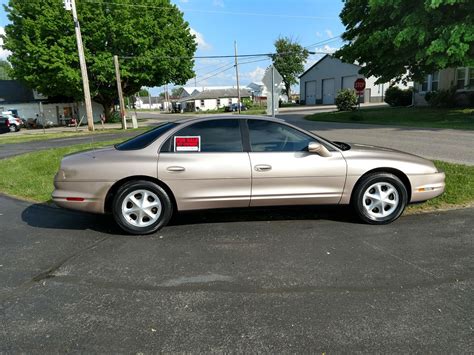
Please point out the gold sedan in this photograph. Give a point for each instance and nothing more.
(224, 162)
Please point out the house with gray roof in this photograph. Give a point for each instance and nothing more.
(18, 98)
(212, 99)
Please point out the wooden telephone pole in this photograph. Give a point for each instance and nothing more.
(237, 76)
(120, 94)
(70, 5)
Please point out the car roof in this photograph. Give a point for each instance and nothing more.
(235, 117)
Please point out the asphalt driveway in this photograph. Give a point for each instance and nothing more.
(264, 280)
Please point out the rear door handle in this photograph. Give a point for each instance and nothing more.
(175, 168)
(263, 167)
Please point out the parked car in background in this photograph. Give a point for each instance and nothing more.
(235, 107)
(15, 122)
(240, 161)
(4, 124)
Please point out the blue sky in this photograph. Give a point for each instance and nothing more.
(254, 24)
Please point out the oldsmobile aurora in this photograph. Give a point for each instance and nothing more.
(224, 162)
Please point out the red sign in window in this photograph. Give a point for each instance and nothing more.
(187, 143)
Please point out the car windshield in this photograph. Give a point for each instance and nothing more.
(145, 139)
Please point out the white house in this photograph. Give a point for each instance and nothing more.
(152, 103)
(212, 99)
(320, 83)
(462, 78)
(192, 90)
(259, 91)
(25, 102)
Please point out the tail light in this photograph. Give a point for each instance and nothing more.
(8, 123)
(18, 120)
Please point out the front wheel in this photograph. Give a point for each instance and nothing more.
(142, 207)
(380, 198)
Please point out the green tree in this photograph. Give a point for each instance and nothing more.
(176, 92)
(143, 92)
(419, 37)
(5, 69)
(154, 45)
(289, 60)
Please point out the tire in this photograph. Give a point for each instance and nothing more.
(372, 209)
(132, 217)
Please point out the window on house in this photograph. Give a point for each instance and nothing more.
(202, 103)
(461, 78)
(434, 81)
(230, 101)
(218, 102)
(424, 84)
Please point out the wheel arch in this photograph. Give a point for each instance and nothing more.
(115, 187)
(398, 173)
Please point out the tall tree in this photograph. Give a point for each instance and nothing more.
(5, 69)
(419, 37)
(289, 60)
(143, 92)
(176, 92)
(150, 37)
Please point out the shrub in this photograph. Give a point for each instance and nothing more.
(247, 102)
(114, 117)
(442, 98)
(394, 96)
(346, 100)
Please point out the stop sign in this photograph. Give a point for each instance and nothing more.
(359, 84)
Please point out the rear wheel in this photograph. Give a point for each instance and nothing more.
(142, 207)
(380, 198)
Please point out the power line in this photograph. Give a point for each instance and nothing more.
(215, 11)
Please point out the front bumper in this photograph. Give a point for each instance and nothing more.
(87, 196)
(426, 186)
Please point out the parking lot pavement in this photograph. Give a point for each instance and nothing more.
(261, 280)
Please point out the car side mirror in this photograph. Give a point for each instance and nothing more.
(319, 149)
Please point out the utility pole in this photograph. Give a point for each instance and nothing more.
(237, 76)
(273, 91)
(70, 5)
(120, 94)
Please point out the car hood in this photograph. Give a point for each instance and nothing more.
(371, 157)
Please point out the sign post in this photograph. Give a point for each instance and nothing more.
(359, 86)
(272, 79)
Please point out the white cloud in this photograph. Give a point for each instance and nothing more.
(255, 75)
(327, 49)
(3, 52)
(329, 33)
(218, 3)
(202, 44)
(319, 34)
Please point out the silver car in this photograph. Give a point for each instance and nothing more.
(223, 162)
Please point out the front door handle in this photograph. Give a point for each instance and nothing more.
(175, 168)
(263, 167)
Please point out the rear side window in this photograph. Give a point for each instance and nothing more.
(145, 139)
(208, 136)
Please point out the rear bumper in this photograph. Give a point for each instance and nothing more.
(87, 196)
(426, 186)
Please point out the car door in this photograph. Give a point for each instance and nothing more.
(285, 173)
(205, 165)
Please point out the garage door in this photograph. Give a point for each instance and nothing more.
(310, 92)
(328, 91)
(348, 81)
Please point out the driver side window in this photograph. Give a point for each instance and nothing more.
(267, 136)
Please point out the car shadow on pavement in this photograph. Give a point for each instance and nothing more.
(52, 217)
(265, 214)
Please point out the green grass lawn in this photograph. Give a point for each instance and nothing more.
(10, 138)
(403, 116)
(30, 176)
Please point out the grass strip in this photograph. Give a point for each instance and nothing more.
(424, 117)
(11, 138)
